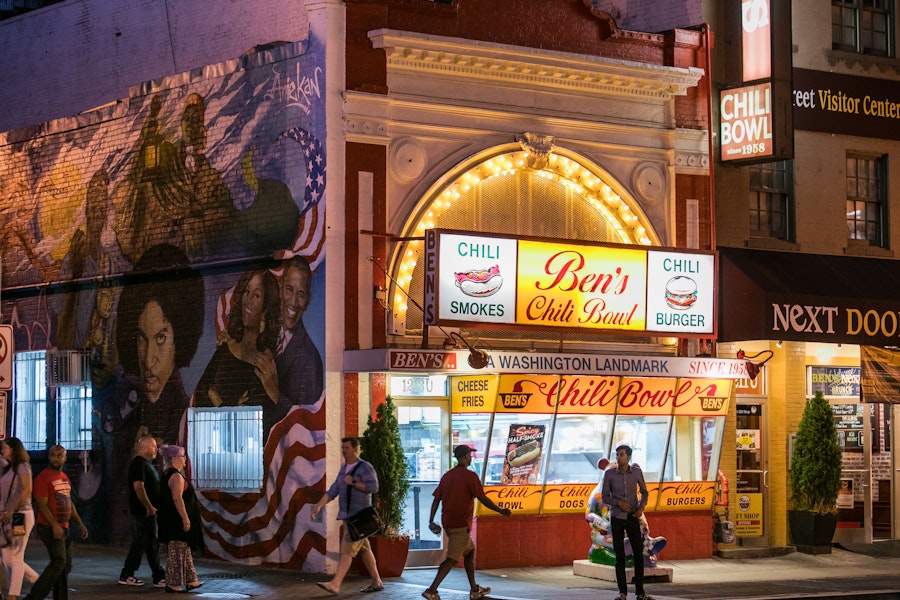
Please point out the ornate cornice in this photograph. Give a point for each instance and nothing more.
(867, 62)
(474, 60)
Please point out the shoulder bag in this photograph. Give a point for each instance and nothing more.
(363, 524)
(17, 519)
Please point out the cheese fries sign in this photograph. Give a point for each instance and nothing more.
(530, 283)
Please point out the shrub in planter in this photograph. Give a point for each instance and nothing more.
(381, 445)
(815, 475)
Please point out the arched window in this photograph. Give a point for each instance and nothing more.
(514, 192)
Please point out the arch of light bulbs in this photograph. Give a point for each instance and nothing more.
(630, 224)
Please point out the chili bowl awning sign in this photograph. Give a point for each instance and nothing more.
(509, 282)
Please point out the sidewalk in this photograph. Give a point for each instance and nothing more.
(841, 574)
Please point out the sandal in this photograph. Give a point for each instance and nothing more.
(326, 588)
(371, 588)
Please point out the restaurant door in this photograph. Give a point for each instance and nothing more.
(424, 433)
(854, 501)
(751, 487)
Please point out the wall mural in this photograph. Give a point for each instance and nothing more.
(144, 232)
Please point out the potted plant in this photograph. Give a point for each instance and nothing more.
(381, 446)
(815, 478)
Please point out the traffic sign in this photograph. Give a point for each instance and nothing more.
(6, 357)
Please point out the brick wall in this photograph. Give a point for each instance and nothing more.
(548, 540)
(79, 54)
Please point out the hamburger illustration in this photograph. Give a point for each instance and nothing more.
(479, 283)
(681, 292)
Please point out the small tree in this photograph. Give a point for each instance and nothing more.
(816, 464)
(381, 446)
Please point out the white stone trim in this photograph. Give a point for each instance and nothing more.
(475, 60)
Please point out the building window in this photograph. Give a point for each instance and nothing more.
(771, 199)
(74, 411)
(34, 409)
(862, 26)
(225, 446)
(865, 199)
(30, 407)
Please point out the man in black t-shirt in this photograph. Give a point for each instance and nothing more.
(143, 497)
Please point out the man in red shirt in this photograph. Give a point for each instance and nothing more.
(52, 495)
(457, 490)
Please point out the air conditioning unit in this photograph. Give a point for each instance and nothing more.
(68, 367)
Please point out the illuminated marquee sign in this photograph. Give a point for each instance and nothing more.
(517, 282)
(746, 122)
(756, 39)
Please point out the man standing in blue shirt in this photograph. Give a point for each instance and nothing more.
(620, 492)
(355, 484)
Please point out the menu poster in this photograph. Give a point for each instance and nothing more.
(524, 448)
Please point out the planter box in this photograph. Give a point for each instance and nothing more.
(390, 555)
(811, 532)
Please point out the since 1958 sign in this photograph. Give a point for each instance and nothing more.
(525, 282)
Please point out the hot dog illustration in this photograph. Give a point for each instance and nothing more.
(479, 283)
(524, 454)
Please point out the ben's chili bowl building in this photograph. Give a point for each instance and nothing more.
(527, 264)
(540, 422)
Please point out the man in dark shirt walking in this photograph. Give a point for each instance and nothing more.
(143, 498)
(620, 491)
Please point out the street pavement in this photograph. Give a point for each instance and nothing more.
(873, 575)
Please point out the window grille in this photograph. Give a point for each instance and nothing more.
(74, 416)
(30, 407)
(225, 446)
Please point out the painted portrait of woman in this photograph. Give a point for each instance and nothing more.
(242, 372)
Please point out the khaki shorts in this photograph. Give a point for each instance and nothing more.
(350, 547)
(459, 543)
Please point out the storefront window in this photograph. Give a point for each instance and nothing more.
(517, 449)
(538, 450)
(579, 441)
(694, 449)
(647, 437)
(472, 429)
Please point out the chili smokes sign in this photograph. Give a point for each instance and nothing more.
(532, 283)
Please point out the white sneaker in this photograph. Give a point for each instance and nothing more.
(131, 581)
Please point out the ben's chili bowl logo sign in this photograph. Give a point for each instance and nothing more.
(578, 394)
(581, 286)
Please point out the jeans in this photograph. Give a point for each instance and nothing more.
(631, 526)
(56, 573)
(143, 540)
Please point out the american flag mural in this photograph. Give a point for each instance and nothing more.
(273, 526)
